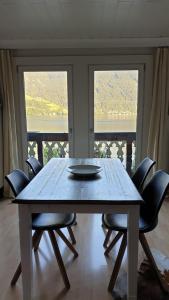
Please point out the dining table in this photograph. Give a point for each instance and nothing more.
(56, 189)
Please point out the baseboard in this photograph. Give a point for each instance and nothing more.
(1, 192)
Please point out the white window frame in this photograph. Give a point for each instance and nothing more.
(140, 102)
(41, 68)
(81, 91)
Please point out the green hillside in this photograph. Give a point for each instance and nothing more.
(36, 106)
(115, 93)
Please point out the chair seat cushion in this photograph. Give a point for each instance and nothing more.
(118, 222)
(46, 221)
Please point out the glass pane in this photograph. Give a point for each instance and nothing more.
(115, 115)
(115, 100)
(46, 97)
(46, 100)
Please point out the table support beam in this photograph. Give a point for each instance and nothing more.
(25, 228)
(132, 248)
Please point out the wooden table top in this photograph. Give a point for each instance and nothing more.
(54, 184)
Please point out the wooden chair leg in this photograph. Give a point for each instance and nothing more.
(107, 238)
(71, 235)
(37, 242)
(150, 257)
(60, 233)
(59, 258)
(114, 241)
(19, 268)
(118, 263)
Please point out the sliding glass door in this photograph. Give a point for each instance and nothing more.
(114, 112)
(48, 108)
(75, 106)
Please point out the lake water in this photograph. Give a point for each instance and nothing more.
(60, 125)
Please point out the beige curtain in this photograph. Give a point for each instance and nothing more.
(158, 141)
(9, 126)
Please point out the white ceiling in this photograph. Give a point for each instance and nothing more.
(73, 23)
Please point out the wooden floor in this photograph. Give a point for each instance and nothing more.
(89, 273)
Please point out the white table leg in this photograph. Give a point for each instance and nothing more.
(132, 244)
(25, 228)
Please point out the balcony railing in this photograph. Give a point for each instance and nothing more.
(114, 144)
(120, 145)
